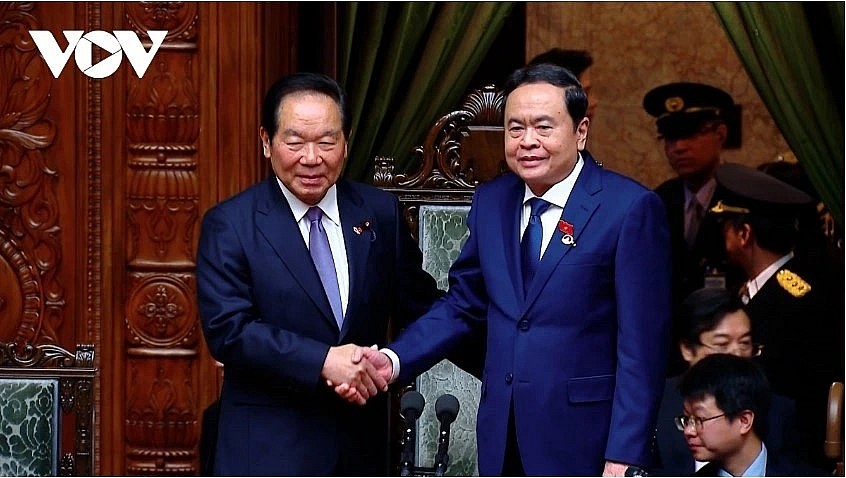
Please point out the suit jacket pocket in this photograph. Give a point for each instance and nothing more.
(590, 389)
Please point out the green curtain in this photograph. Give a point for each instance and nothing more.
(793, 52)
(403, 65)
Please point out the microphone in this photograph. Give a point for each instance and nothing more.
(446, 409)
(411, 407)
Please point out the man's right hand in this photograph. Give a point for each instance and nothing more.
(380, 363)
(343, 367)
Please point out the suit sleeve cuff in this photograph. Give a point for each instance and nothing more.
(395, 362)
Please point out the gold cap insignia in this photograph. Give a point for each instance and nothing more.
(792, 283)
(674, 104)
(721, 208)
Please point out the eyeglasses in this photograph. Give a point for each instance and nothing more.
(747, 349)
(683, 421)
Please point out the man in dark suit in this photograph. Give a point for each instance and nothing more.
(799, 317)
(695, 122)
(725, 397)
(577, 311)
(290, 274)
(712, 320)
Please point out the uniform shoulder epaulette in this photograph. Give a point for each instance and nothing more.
(792, 283)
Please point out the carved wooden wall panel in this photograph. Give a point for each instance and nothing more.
(162, 331)
(32, 299)
(102, 186)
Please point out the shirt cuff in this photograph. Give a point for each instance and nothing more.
(395, 362)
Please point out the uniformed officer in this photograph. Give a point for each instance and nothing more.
(694, 122)
(798, 318)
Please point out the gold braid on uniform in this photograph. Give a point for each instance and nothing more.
(792, 283)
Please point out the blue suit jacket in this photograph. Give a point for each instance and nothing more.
(267, 319)
(582, 356)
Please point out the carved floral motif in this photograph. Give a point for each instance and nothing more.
(159, 312)
(178, 18)
(29, 212)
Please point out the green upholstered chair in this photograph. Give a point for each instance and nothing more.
(43, 389)
(463, 148)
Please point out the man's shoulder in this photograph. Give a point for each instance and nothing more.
(504, 183)
(246, 196)
(620, 183)
(778, 465)
(669, 187)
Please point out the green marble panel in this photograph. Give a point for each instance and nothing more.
(443, 231)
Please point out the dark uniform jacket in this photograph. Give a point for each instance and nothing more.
(802, 334)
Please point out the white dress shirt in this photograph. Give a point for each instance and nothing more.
(557, 197)
(755, 284)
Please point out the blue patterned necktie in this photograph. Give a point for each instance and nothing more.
(530, 246)
(321, 254)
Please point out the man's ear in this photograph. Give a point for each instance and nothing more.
(744, 232)
(265, 142)
(722, 132)
(583, 133)
(746, 420)
(687, 352)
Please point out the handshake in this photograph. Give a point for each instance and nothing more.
(357, 373)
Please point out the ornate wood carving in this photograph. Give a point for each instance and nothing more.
(75, 373)
(30, 235)
(100, 200)
(180, 19)
(447, 172)
(162, 130)
(440, 155)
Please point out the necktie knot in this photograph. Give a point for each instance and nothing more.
(538, 206)
(314, 214)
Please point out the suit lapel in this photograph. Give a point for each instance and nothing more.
(579, 209)
(276, 223)
(359, 231)
(512, 204)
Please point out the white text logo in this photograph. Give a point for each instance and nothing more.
(116, 44)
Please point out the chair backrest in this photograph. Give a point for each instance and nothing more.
(44, 388)
(462, 149)
(834, 427)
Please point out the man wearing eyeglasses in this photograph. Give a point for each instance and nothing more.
(712, 321)
(725, 397)
(694, 122)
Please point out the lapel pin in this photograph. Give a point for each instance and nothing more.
(365, 226)
(568, 232)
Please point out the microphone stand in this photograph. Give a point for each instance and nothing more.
(411, 405)
(442, 457)
(446, 409)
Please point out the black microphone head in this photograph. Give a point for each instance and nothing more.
(411, 404)
(446, 408)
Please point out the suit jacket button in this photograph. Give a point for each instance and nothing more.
(509, 378)
(523, 325)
